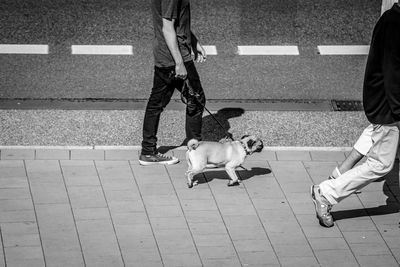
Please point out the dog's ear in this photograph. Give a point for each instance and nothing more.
(244, 136)
(251, 143)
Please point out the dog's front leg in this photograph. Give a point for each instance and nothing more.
(232, 174)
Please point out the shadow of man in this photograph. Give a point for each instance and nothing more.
(390, 189)
(211, 129)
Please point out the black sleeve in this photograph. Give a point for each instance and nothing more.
(169, 9)
(391, 62)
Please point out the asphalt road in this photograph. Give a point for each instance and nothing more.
(223, 23)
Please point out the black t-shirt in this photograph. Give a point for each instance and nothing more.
(381, 92)
(171, 9)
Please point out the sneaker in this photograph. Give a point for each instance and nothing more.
(157, 159)
(322, 207)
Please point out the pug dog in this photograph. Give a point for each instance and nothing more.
(228, 154)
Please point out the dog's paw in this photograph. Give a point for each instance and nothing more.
(233, 183)
(190, 185)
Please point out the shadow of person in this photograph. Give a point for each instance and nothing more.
(211, 130)
(220, 173)
(390, 189)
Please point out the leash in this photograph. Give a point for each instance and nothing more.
(186, 87)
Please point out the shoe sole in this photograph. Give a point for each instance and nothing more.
(146, 163)
(321, 222)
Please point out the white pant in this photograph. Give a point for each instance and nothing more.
(379, 143)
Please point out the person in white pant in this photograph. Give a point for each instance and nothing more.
(379, 141)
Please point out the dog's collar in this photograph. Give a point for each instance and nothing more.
(244, 147)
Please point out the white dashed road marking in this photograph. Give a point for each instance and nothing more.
(23, 49)
(343, 49)
(210, 50)
(102, 50)
(263, 50)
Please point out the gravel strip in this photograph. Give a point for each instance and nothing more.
(123, 127)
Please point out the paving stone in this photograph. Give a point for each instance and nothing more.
(121, 154)
(26, 227)
(370, 249)
(293, 155)
(97, 246)
(363, 237)
(239, 221)
(290, 250)
(164, 211)
(129, 218)
(126, 206)
(328, 156)
(17, 216)
(156, 189)
(318, 231)
(332, 243)
(192, 204)
(143, 230)
(15, 204)
(15, 182)
(161, 200)
(289, 236)
(87, 154)
(148, 258)
(89, 226)
(102, 260)
(46, 193)
(377, 260)
(80, 175)
(91, 214)
(263, 155)
(356, 224)
(212, 240)
(231, 262)
(169, 223)
(12, 169)
(256, 245)
(216, 252)
(299, 262)
(203, 216)
(240, 233)
(319, 170)
(296, 172)
(207, 228)
(21, 240)
(236, 210)
(53, 154)
(258, 257)
(341, 258)
(86, 197)
(14, 154)
(184, 259)
(24, 256)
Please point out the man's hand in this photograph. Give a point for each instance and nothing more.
(180, 71)
(199, 53)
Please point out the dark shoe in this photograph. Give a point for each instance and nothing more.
(157, 159)
(322, 207)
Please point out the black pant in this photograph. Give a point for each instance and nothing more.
(164, 84)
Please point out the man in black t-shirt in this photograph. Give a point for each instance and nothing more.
(173, 47)
(381, 101)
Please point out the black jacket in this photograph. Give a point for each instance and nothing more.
(381, 91)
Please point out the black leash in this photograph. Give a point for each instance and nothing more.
(186, 87)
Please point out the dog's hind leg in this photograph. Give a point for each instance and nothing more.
(232, 174)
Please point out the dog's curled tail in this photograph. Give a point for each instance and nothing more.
(192, 144)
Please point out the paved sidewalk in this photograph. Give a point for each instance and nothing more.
(95, 207)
